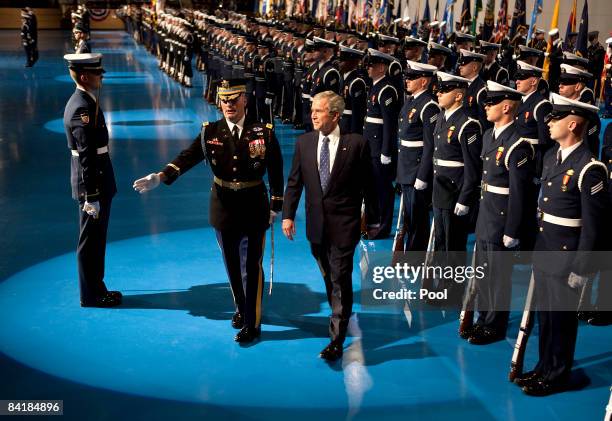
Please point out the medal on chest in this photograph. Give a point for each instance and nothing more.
(257, 148)
(526, 116)
(470, 100)
(411, 114)
(498, 155)
(449, 135)
(566, 179)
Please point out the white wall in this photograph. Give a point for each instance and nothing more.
(600, 13)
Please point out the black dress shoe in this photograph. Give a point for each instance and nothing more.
(116, 294)
(527, 378)
(247, 334)
(105, 301)
(485, 336)
(544, 388)
(466, 333)
(600, 318)
(331, 352)
(237, 321)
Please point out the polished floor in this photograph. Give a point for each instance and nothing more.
(167, 352)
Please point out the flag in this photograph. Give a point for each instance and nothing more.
(518, 17)
(537, 9)
(477, 10)
(466, 17)
(426, 14)
(583, 32)
(435, 17)
(415, 23)
(571, 22)
(553, 24)
(489, 20)
(502, 21)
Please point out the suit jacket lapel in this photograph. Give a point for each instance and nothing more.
(568, 162)
(340, 158)
(312, 156)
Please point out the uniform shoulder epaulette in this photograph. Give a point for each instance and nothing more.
(535, 109)
(269, 126)
(468, 121)
(593, 163)
(513, 147)
(435, 116)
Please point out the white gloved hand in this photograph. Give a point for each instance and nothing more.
(272, 216)
(510, 242)
(92, 208)
(419, 184)
(577, 281)
(268, 101)
(385, 160)
(147, 183)
(461, 210)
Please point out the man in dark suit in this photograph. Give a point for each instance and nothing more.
(91, 176)
(239, 154)
(335, 169)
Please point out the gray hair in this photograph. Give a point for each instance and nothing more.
(334, 101)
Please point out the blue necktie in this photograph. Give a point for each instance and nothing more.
(324, 164)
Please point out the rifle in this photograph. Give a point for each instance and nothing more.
(466, 317)
(427, 282)
(518, 356)
(271, 257)
(398, 239)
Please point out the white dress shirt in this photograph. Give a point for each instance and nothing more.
(497, 131)
(449, 113)
(567, 151)
(334, 140)
(240, 125)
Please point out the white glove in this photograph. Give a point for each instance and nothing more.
(92, 208)
(577, 281)
(461, 210)
(385, 160)
(146, 183)
(510, 242)
(268, 101)
(419, 184)
(272, 217)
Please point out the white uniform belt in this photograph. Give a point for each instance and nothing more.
(445, 163)
(412, 143)
(99, 151)
(374, 120)
(557, 220)
(531, 140)
(306, 96)
(347, 112)
(495, 189)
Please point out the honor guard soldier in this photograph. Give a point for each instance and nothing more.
(534, 57)
(462, 41)
(575, 61)
(380, 130)
(413, 49)
(572, 85)
(417, 121)
(240, 211)
(264, 79)
(354, 90)
(457, 170)
(29, 37)
(299, 70)
(507, 180)
(572, 204)
(555, 57)
(249, 75)
(470, 64)
(82, 44)
(491, 69)
(327, 77)
(596, 54)
(438, 55)
(91, 176)
(530, 118)
(608, 81)
(388, 45)
(311, 66)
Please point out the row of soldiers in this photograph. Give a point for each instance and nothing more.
(80, 19)
(29, 35)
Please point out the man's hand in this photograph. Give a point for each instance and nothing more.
(461, 210)
(147, 183)
(272, 217)
(419, 184)
(510, 242)
(577, 281)
(92, 208)
(385, 160)
(268, 101)
(289, 228)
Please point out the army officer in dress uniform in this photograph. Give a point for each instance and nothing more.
(572, 204)
(417, 121)
(91, 176)
(240, 211)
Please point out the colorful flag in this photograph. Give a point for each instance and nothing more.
(477, 10)
(489, 20)
(435, 17)
(583, 32)
(466, 17)
(571, 22)
(502, 21)
(537, 9)
(426, 14)
(553, 24)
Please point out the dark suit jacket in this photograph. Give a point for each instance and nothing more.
(332, 216)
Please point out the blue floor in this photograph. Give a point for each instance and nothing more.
(168, 351)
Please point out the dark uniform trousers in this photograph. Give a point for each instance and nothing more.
(507, 164)
(92, 179)
(239, 213)
(574, 189)
(415, 132)
(457, 169)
